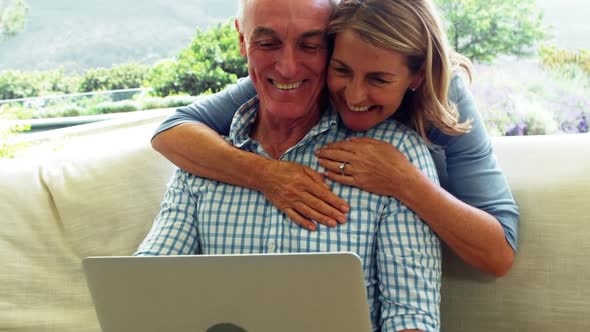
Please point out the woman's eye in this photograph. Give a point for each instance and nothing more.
(378, 81)
(340, 70)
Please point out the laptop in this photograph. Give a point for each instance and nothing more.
(229, 293)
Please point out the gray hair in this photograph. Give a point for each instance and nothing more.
(242, 4)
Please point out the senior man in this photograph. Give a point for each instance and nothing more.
(284, 43)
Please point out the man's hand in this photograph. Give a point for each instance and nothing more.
(301, 193)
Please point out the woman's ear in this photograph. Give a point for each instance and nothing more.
(417, 80)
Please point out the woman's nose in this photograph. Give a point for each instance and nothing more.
(355, 93)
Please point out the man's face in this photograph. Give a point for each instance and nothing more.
(284, 42)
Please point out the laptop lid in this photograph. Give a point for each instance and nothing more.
(229, 293)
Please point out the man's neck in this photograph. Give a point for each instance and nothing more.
(278, 135)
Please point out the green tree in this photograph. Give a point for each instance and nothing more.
(12, 17)
(484, 29)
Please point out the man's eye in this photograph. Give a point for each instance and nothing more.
(310, 47)
(267, 44)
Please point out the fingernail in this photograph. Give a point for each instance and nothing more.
(342, 219)
(344, 208)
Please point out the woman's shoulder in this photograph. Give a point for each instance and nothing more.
(461, 96)
(459, 91)
(395, 133)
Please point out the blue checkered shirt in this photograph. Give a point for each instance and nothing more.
(401, 255)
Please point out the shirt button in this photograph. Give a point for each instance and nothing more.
(271, 246)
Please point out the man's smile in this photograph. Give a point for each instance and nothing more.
(286, 85)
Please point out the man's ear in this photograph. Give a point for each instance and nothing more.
(241, 38)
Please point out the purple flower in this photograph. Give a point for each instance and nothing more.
(583, 125)
(518, 130)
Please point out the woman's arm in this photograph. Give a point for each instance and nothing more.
(193, 132)
(190, 139)
(474, 179)
(477, 217)
(473, 173)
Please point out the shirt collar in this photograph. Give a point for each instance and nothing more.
(239, 132)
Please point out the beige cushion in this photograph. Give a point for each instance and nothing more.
(83, 202)
(548, 287)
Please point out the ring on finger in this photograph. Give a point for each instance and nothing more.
(341, 167)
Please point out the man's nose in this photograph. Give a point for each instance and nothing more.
(355, 92)
(287, 62)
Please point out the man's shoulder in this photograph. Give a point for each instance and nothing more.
(189, 182)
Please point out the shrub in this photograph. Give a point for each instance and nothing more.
(572, 111)
(12, 18)
(512, 102)
(166, 102)
(164, 78)
(60, 111)
(15, 111)
(20, 84)
(9, 149)
(127, 76)
(114, 107)
(209, 63)
(537, 119)
(554, 57)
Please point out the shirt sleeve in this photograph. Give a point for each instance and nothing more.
(472, 172)
(174, 231)
(216, 111)
(409, 259)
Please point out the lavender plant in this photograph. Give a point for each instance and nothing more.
(521, 97)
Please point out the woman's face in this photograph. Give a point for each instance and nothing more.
(367, 83)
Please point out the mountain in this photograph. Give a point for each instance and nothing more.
(77, 35)
(81, 34)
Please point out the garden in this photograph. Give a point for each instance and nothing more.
(522, 84)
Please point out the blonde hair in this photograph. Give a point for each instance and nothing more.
(413, 28)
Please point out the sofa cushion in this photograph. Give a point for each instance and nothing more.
(99, 196)
(548, 287)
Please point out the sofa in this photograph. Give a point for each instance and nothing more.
(97, 195)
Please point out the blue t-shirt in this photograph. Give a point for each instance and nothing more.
(466, 164)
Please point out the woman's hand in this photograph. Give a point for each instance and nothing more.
(302, 194)
(369, 164)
